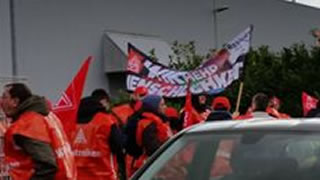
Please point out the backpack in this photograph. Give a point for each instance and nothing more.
(131, 146)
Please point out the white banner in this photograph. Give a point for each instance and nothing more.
(216, 73)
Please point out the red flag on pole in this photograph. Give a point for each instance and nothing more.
(67, 105)
(308, 103)
(187, 120)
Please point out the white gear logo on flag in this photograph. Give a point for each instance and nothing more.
(63, 103)
(80, 137)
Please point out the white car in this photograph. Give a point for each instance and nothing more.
(239, 150)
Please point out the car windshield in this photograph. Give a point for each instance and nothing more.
(239, 156)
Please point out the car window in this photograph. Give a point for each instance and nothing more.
(182, 159)
(177, 166)
(234, 156)
(306, 152)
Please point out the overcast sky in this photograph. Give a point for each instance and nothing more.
(310, 2)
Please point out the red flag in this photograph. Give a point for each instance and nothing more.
(308, 103)
(187, 120)
(67, 105)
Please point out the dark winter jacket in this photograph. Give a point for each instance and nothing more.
(314, 113)
(219, 116)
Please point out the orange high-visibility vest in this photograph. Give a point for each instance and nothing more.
(275, 113)
(123, 112)
(163, 133)
(92, 152)
(34, 126)
(163, 130)
(66, 163)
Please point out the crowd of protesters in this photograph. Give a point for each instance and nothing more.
(108, 142)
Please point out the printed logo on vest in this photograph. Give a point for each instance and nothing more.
(80, 137)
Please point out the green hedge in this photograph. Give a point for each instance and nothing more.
(284, 74)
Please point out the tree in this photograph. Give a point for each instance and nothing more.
(185, 57)
(284, 74)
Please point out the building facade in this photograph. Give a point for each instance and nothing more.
(45, 41)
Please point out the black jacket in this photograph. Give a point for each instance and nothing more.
(314, 113)
(219, 116)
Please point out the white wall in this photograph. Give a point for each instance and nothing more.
(5, 40)
(54, 36)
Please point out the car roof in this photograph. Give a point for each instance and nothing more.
(302, 124)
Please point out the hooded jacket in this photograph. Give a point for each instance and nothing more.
(152, 130)
(219, 116)
(37, 149)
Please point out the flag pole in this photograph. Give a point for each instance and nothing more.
(239, 97)
(187, 120)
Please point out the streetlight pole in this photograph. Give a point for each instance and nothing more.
(215, 12)
(215, 29)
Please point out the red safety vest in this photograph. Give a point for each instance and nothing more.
(163, 130)
(163, 133)
(123, 112)
(246, 116)
(65, 160)
(92, 152)
(196, 117)
(275, 113)
(38, 127)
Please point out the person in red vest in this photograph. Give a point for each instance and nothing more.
(36, 146)
(199, 112)
(273, 109)
(220, 109)
(124, 111)
(258, 108)
(96, 142)
(199, 102)
(102, 96)
(176, 124)
(152, 130)
(139, 93)
(4, 124)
